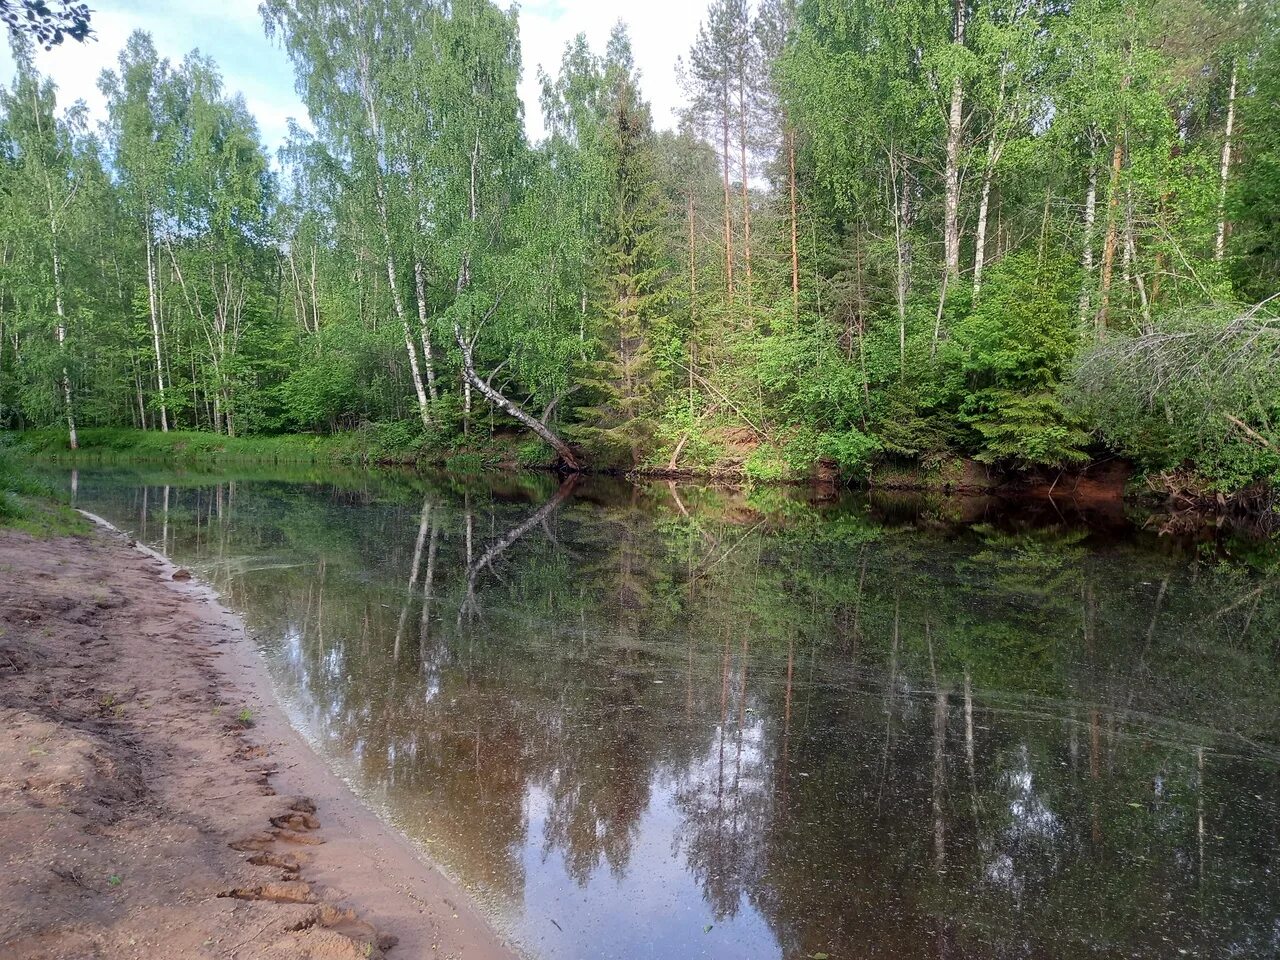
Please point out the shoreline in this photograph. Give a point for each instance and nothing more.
(259, 833)
(1109, 481)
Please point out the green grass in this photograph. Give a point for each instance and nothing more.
(108, 445)
(29, 505)
(382, 444)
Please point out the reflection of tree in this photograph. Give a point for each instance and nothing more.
(503, 543)
(1005, 742)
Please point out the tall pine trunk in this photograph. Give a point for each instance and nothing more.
(693, 269)
(746, 173)
(728, 205)
(1109, 244)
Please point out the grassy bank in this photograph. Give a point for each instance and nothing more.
(384, 444)
(181, 447)
(28, 504)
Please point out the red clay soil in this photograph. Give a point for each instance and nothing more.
(141, 817)
(1098, 483)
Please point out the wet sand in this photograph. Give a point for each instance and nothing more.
(155, 802)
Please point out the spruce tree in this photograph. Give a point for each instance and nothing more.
(625, 381)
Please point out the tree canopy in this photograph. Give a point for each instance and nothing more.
(879, 234)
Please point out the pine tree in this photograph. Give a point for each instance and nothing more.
(635, 294)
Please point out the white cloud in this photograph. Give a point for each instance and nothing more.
(231, 33)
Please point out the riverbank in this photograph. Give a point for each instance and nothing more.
(1110, 484)
(154, 801)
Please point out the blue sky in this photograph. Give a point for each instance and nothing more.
(231, 32)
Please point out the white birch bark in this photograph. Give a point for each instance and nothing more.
(1220, 243)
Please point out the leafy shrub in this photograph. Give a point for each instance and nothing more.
(1008, 357)
(852, 450)
(766, 464)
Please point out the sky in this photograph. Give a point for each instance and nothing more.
(231, 32)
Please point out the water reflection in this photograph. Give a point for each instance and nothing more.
(668, 722)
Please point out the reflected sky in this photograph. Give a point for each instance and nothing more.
(662, 722)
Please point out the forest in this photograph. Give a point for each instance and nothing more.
(1036, 235)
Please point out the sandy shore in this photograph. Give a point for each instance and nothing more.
(145, 813)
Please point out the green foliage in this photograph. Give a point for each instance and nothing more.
(31, 505)
(824, 261)
(1009, 355)
(766, 464)
(1255, 194)
(851, 450)
(1201, 388)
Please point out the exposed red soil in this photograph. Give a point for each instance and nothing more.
(140, 816)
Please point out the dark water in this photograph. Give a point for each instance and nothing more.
(659, 722)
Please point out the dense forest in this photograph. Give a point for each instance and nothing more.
(1035, 235)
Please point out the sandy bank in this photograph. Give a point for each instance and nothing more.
(144, 813)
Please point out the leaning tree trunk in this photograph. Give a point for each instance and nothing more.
(510, 408)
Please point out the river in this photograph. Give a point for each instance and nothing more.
(670, 721)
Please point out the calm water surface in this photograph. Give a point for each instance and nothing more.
(670, 722)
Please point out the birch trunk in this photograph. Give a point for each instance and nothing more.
(1086, 257)
(901, 199)
(420, 288)
(380, 193)
(980, 240)
(1220, 244)
(397, 303)
(995, 148)
(1131, 264)
(72, 440)
(951, 227)
(153, 304)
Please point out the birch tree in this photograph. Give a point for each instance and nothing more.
(43, 192)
